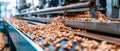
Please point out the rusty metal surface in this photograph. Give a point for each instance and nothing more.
(108, 27)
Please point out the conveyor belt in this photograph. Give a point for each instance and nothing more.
(107, 27)
(19, 35)
(101, 37)
(51, 47)
(96, 36)
(71, 6)
(40, 20)
(21, 42)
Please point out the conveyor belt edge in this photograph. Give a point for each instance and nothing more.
(21, 42)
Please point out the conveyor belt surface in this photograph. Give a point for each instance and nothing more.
(108, 27)
(40, 20)
(58, 37)
(21, 42)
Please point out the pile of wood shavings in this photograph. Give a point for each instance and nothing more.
(85, 17)
(2, 41)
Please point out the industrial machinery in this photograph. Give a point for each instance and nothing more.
(62, 25)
